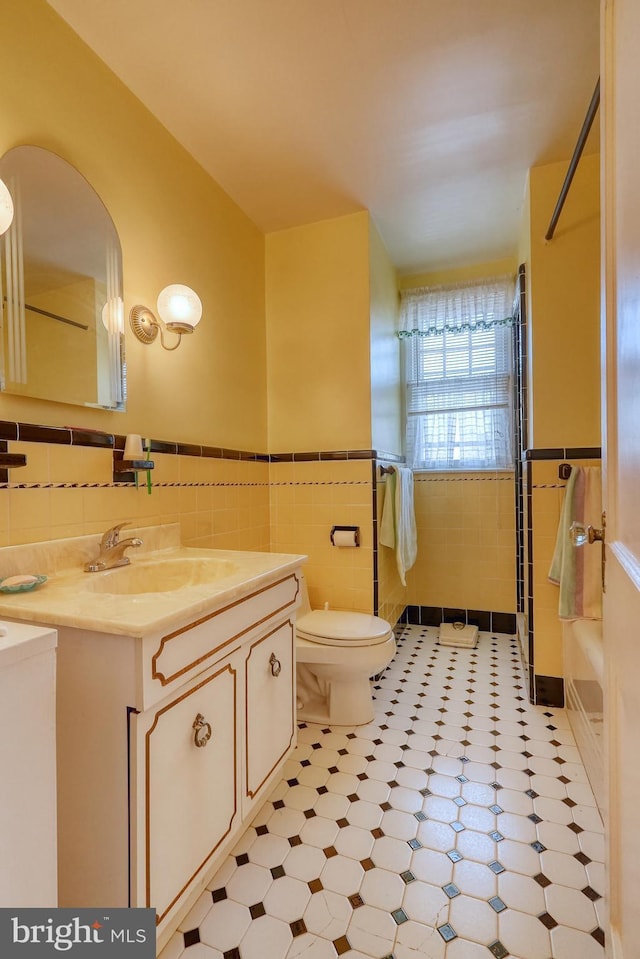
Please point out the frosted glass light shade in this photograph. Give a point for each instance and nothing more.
(180, 307)
(113, 315)
(6, 208)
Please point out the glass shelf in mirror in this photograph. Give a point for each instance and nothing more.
(61, 285)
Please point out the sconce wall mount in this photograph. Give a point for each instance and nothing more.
(179, 309)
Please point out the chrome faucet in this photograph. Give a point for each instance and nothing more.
(112, 550)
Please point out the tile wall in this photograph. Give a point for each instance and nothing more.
(306, 500)
(466, 541)
(235, 500)
(67, 490)
(544, 493)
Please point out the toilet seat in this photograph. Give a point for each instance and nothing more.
(333, 627)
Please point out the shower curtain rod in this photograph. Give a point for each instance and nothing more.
(53, 316)
(577, 153)
(56, 316)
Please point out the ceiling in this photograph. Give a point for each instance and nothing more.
(428, 113)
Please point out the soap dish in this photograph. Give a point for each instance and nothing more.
(6, 586)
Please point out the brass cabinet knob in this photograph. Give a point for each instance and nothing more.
(202, 733)
(276, 665)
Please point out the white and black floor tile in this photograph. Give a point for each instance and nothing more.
(459, 824)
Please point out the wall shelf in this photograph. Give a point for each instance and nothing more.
(125, 471)
(131, 466)
(10, 461)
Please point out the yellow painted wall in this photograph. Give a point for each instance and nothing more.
(565, 307)
(317, 309)
(386, 390)
(563, 298)
(460, 274)
(524, 256)
(175, 225)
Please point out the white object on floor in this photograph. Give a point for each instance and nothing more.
(457, 634)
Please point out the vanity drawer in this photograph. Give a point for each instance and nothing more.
(175, 657)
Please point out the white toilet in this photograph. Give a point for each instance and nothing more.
(337, 652)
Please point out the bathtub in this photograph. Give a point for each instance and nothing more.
(583, 684)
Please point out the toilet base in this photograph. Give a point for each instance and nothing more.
(347, 702)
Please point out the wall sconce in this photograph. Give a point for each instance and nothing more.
(180, 312)
(6, 208)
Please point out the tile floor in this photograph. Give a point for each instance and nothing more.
(459, 824)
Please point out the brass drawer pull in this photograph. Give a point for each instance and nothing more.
(202, 733)
(276, 665)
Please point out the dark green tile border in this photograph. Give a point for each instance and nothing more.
(549, 691)
(67, 436)
(564, 452)
(486, 620)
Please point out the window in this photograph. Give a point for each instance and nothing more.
(458, 367)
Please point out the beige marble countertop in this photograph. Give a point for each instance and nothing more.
(71, 597)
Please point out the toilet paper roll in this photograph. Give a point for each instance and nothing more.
(345, 537)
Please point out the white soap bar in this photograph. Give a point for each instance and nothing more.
(24, 580)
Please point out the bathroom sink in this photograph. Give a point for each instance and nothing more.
(159, 576)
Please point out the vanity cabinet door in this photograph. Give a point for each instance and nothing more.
(270, 720)
(187, 767)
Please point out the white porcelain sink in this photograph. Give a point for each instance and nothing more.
(159, 576)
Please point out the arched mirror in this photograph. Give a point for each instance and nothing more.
(61, 285)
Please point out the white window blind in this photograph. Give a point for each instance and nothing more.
(459, 372)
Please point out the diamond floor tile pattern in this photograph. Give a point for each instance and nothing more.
(458, 824)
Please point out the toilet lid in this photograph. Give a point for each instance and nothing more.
(333, 627)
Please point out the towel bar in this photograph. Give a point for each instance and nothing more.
(564, 471)
(387, 469)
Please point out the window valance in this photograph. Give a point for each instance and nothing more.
(467, 307)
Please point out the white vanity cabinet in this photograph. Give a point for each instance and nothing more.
(168, 742)
(204, 758)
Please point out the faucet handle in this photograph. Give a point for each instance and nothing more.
(111, 537)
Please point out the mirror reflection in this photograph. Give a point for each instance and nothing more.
(61, 285)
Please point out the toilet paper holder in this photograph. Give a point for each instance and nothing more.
(350, 536)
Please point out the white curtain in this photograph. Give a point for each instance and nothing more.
(459, 371)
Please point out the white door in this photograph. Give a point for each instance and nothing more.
(621, 459)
